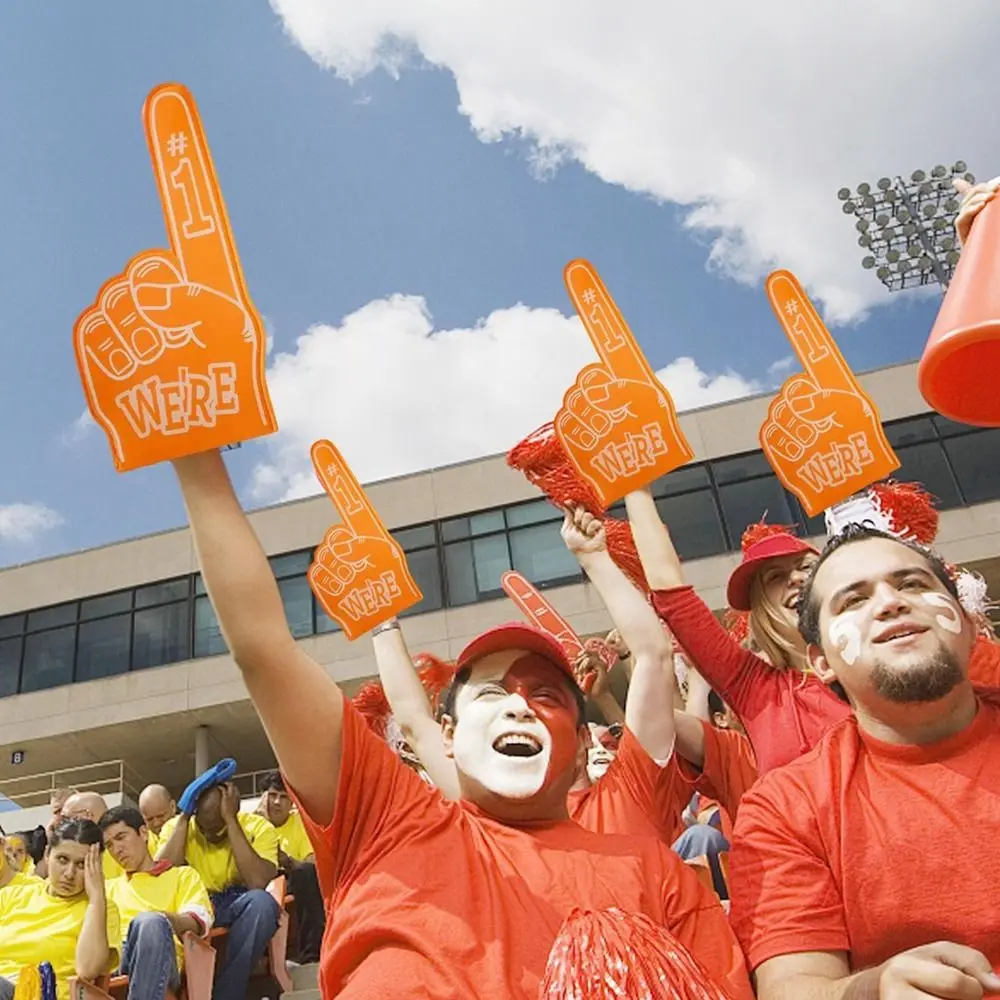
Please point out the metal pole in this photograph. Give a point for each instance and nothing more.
(924, 241)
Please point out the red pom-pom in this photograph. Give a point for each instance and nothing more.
(612, 955)
(372, 703)
(910, 508)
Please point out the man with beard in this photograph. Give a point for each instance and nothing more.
(864, 869)
(430, 897)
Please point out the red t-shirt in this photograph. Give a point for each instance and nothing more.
(728, 772)
(871, 848)
(431, 898)
(785, 712)
(635, 796)
(984, 664)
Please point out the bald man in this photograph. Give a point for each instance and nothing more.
(157, 807)
(90, 805)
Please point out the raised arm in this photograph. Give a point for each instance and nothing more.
(93, 954)
(660, 562)
(411, 708)
(649, 705)
(299, 704)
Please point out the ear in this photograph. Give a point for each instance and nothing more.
(818, 664)
(448, 736)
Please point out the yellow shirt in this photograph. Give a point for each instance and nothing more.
(37, 927)
(153, 843)
(175, 890)
(293, 838)
(111, 867)
(216, 863)
(21, 879)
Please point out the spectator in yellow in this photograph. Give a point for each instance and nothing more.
(295, 858)
(157, 807)
(158, 904)
(90, 805)
(8, 874)
(66, 921)
(236, 854)
(16, 850)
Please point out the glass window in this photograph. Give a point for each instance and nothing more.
(426, 570)
(106, 604)
(474, 569)
(949, 428)
(746, 503)
(10, 666)
(477, 524)
(537, 512)
(324, 623)
(416, 538)
(694, 522)
(199, 585)
(540, 554)
(161, 593)
(61, 614)
(292, 564)
(11, 625)
(926, 464)
(910, 431)
(48, 659)
(733, 470)
(162, 635)
(976, 460)
(297, 599)
(208, 639)
(689, 477)
(103, 647)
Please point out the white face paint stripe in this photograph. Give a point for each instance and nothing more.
(846, 637)
(952, 620)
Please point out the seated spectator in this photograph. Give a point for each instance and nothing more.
(157, 807)
(236, 855)
(66, 921)
(865, 867)
(295, 859)
(8, 874)
(90, 805)
(157, 904)
(16, 850)
(57, 799)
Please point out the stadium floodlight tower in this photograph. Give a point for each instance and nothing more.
(907, 227)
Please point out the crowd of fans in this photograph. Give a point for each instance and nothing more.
(114, 892)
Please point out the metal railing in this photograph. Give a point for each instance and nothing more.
(105, 777)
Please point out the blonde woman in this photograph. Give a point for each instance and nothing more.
(784, 709)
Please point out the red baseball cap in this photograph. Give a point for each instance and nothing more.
(517, 635)
(772, 547)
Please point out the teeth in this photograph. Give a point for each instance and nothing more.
(517, 742)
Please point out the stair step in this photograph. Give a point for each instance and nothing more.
(305, 977)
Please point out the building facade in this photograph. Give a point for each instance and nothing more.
(115, 653)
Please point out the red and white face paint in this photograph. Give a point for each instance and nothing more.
(516, 729)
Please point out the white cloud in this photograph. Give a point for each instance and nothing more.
(79, 429)
(398, 396)
(752, 114)
(781, 366)
(24, 522)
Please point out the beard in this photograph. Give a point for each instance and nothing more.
(930, 681)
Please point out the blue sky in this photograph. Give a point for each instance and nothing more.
(339, 195)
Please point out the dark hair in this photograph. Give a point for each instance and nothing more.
(808, 608)
(122, 814)
(449, 704)
(80, 831)
(273, 781)
(716, 705)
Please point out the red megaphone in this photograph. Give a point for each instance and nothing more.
(959, 374)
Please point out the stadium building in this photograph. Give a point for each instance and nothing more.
(113, 672)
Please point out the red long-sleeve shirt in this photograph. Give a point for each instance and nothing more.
(785, 712)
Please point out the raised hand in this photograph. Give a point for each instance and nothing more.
(617, 422)
(583, 533)
(172, 352)
(93, 873)
(358, 573)
(822, 435)
(974, 199)
(540, 613)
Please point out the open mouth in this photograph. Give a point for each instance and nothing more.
(900, 633)
(792, 601)
(517, 745)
